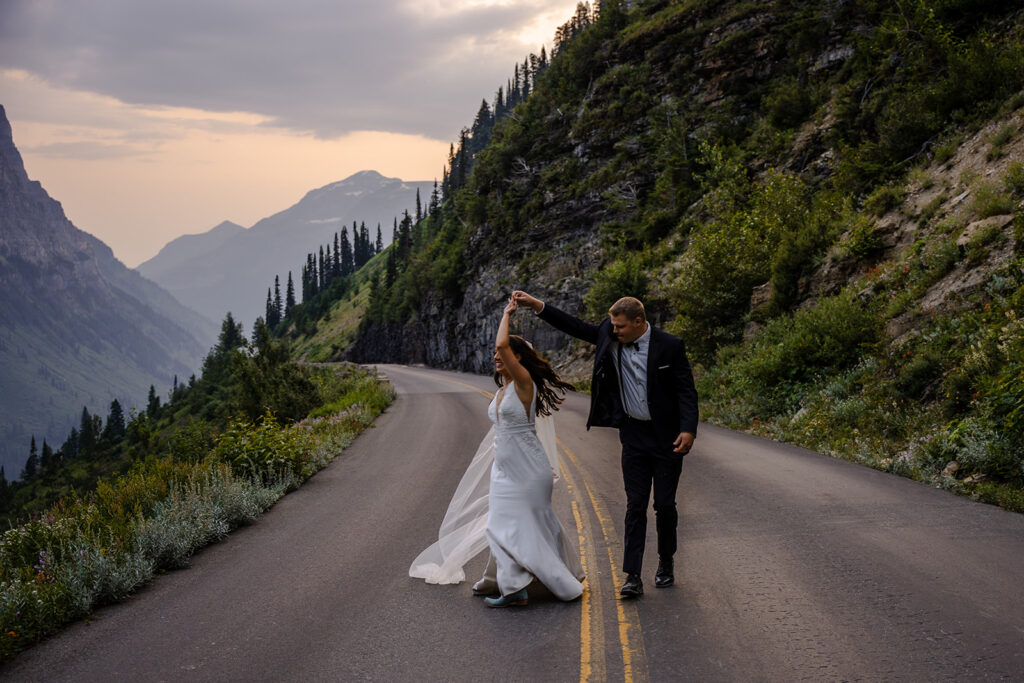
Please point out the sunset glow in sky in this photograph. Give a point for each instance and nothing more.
(151, 120)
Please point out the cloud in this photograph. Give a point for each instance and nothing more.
(322, 66)
(85, 150)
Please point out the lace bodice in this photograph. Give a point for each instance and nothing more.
(511, 414)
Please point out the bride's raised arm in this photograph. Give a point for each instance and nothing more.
(520, 375)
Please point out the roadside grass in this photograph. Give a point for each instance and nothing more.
(944, 405)
(97, 548)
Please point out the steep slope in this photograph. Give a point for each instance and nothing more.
(228, 269)
(76, 326)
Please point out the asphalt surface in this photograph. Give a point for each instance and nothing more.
(792, 566)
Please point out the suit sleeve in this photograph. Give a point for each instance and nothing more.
(569, 324)
(686, 392)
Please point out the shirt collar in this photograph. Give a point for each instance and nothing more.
(644, 339)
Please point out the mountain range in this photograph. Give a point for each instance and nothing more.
(229, 268)
(77, 327)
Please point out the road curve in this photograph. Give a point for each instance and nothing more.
(791, 566)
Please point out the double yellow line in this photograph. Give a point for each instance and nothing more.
(593, 656)
(593, 644)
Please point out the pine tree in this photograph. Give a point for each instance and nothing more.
(499, 107)
(70, 447)
(377, 294)
(348, 264)
(115, 421)
(230, 334)
(270, 305)
(32, 464)
(322, 279)
(380, 238)
(86, 436)
(405, 237)
(483, 124)
(152, 402)
(33, 458)
(46, 457)
(336, 263)
(278, 303)
(364, 237)
(461, 171)
(289, 300)
(419, 205)
(391, 270)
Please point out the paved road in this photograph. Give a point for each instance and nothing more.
(792, 566)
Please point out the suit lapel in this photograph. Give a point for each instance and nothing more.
(652, 348)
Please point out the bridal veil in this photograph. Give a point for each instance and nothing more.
(462, 533)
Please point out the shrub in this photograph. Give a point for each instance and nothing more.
(921, 177)
(626, 276)
(981, 449)
(788, 104)
(265, 449)
(917, 375)
(943, 153)
(990, 200)
(729, 256)
(882, 200)
(1014, 179)
(863, 240)
(792, 350)
(999, 140)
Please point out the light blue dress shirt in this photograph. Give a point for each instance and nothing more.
(633, 376)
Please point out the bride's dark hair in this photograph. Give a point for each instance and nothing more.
(550, 388)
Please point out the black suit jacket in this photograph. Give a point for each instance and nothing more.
(671, 394)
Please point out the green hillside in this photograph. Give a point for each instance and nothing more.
(822, 199)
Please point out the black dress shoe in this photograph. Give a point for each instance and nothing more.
(664, 577)
(633, 587)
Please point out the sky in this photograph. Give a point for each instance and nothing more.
(150, 119)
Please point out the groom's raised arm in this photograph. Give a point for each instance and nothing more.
(557, 318)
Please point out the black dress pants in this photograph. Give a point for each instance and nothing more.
(646, 461)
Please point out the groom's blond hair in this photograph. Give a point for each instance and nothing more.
(630, 307)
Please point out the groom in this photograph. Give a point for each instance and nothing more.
(643, 385)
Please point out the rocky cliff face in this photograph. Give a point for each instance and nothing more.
(76, 326)
(552, 263)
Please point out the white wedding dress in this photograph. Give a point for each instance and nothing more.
(511, 512)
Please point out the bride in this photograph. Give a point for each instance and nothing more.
(511, 511)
